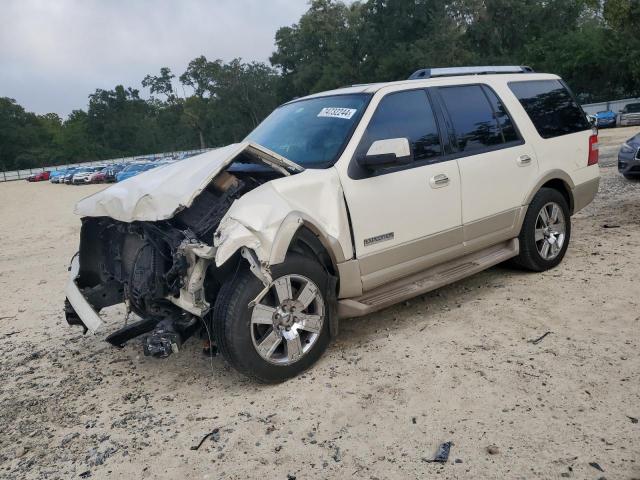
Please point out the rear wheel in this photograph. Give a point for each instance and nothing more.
(286, 330)
(546, 231)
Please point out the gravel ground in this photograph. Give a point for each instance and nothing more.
(454, 365)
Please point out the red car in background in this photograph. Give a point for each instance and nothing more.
(39, 177)
(98, 177)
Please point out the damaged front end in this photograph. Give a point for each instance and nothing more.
(157, 256)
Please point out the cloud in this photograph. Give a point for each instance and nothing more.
(53, 54)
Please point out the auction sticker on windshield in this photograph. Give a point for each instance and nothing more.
(337, 112)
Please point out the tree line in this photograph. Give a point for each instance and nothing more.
(592, 44)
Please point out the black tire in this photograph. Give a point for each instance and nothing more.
(529, 257)
(631, 176)
(232, 330)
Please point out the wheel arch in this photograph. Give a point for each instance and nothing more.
(297, 231)
(557, 180)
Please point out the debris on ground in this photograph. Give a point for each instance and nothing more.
(596, 466)
(337, 455)
(493, 450)
(536, 341)
(610, 225)
(20, 451)
(442, 455)
(633, 419)
(214, 434)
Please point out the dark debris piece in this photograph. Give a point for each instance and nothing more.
(443, 453)
(596, 466)
(214, 434)
(633, 419)
(536, 341)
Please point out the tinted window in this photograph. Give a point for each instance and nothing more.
(505, 123)
(472, 116)
(405, 115)
(551, 107)
(633, 107)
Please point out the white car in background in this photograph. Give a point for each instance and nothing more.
(84, 175)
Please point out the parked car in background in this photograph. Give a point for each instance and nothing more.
(55, 176)
(629, 158)
(59, 175)
(68, 176)
(629, 115)
(83, 176)
(606, 118)
(134, 169)
(39, 177)
(99, 176)
(112, 170)
(337, 205)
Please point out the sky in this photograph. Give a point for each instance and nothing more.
(54, 53)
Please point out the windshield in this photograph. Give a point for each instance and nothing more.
(313, 132)
(633, 107)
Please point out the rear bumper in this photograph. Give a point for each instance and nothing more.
(625, 122)
(584, 193)
(606, 122)
(83, 310)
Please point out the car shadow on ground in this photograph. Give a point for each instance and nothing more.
(353, 332)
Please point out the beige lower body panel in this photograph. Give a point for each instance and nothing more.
(584, 193)
(427, 280)
(394, 264)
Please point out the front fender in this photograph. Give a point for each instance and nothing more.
(266, 219)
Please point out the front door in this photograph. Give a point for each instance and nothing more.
(403, 217)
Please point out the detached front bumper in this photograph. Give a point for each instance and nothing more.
(81, 312)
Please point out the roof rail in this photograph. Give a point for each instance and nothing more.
(424, 73)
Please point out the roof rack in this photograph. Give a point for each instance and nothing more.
(455, 71)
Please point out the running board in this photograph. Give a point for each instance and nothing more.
(423, 282)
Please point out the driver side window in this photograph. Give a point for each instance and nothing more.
(407, 115)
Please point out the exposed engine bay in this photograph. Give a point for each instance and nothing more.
(162, 270)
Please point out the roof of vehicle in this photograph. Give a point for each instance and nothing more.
(435, 81)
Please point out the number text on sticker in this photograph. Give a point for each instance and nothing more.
(337, 112)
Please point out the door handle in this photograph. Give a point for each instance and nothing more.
(439, 181)
(523, 160)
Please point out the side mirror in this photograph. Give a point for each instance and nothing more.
(386, 153)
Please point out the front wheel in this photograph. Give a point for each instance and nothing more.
(545, 233)
(287, 329)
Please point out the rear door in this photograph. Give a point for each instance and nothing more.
(496, 165)
(403, 217)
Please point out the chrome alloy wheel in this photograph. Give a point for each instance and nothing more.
(550, 231)
(287, 320)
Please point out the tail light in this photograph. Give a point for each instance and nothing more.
(593, 150)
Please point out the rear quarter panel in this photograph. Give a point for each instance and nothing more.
(566, 153)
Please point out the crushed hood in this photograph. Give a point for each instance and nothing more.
(160, 193)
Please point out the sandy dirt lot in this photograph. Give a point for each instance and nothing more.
(453, 365)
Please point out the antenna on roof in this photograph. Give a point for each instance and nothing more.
(424, 73)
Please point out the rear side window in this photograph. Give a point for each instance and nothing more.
(477, 127)
(502, 116)
(405, 115)
(551, 107)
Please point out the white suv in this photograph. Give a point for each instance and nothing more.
(337, 205)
